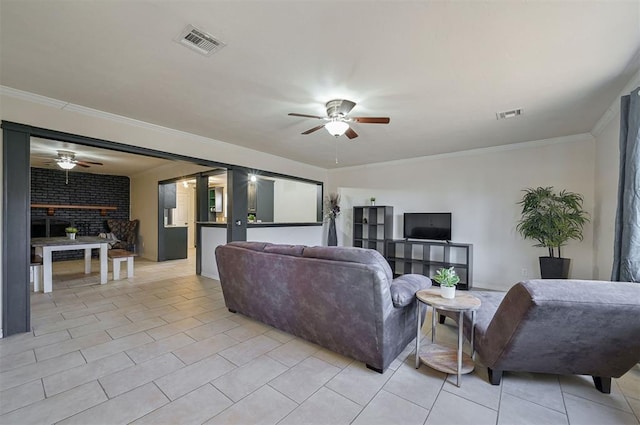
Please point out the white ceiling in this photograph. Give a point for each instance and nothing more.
(440, 70)
(44, 152)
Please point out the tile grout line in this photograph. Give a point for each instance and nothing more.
(500, 401)
(603, 404)
(541, 405)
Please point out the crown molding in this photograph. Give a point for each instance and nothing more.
(71, 107)
(32, 97)
(582, 137)
(614, 110)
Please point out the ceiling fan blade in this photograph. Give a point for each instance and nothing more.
(91, 162)
(313, 129)
(346, 106)
(82, 164)
(372, 120)
(351, 134)
(305, 116)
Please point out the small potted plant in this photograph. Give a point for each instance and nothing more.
(71, 232)
(448, 279)
(373, 201)
(252, 218)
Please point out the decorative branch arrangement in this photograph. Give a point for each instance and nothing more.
(332, 206)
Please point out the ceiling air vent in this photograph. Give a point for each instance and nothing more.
(509, 114)
(199, 41)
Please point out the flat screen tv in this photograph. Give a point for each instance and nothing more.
(434, 226)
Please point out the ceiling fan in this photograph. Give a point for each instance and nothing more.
(338, 120)
(67, 160)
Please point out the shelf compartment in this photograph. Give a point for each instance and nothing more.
(426, 257)
(372, 227)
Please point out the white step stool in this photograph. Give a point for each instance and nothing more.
(118, 256)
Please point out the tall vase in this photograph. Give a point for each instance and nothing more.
(332, 238)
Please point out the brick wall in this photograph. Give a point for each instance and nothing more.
(48, 187)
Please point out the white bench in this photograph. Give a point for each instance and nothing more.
(118, 256)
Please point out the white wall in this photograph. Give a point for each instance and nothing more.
(295, 202)
(606, 197)
(481, 189)
(211, 238)
(294, 235)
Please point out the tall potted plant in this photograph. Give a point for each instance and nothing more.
(552, 219)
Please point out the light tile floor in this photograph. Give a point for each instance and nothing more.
(161, 348)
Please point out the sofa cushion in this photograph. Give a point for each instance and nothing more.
(404, 288)
(254, 246)
(349, 254)
(295, 250)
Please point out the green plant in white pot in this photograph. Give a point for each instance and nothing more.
(71, 232)
(448, 279)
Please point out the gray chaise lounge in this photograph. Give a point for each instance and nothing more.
(573, 327)
(344, 299)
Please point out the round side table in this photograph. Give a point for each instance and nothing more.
(446, 359)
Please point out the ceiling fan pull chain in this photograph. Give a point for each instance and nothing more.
(336, 150)
(66, 180)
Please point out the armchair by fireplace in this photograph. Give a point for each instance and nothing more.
(127, 233)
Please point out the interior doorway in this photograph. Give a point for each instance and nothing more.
(16, 215)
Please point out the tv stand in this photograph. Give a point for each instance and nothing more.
(426, 257)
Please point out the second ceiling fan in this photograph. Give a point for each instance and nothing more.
(338, 120)
(67, 160)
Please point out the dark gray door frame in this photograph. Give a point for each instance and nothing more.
(16, 232)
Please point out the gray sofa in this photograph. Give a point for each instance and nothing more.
(574, 327)
(344, 299)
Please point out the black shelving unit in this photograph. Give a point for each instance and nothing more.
(426, 257)
(372, 227)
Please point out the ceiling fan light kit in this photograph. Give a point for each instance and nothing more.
(336, 127)
(67, 160)
(338, 121)
(65, 164)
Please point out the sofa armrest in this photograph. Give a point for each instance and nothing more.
(404, 288)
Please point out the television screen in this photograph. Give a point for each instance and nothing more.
(434, 226)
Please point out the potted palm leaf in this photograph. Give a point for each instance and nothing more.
(552, 219)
